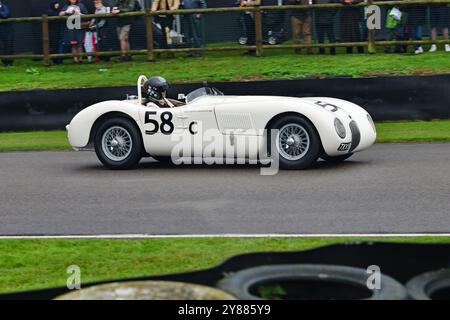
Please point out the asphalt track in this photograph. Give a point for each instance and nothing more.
(391, 188)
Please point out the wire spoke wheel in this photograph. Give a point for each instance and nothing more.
(117, 143)
(293, 141)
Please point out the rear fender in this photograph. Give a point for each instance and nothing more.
(81, 127)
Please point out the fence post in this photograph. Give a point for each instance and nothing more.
(149, 34)
(371, 48)
(258, 31)
(45, 40)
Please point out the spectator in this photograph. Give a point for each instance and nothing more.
(417, 15)
(439, 16)
(165, 21)
(351, 17)
(124, 25)
(56, 29)
(244, 34)
(74, 37)
(250, 23)
(301, 21)
(98, 27)
(193, 24)
(325, 25)
(6, 35)
(363, 30)
(394, 28)
(106, 28)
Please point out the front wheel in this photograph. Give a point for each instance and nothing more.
(118, 144)
(297, 142)
(335, 159)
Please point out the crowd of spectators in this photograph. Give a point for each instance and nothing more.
(92, 36)
(401, 23)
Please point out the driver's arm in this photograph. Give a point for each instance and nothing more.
(176, 103)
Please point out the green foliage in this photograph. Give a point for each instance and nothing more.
(271, 292)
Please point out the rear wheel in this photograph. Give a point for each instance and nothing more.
(118, 144)
(335, 159)
(297, 142)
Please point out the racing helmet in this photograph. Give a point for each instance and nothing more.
(155, 86)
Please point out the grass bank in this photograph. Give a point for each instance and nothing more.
(219, 66)
(30, 264)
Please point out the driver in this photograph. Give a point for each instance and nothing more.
(156, 92)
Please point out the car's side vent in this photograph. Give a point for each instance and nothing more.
(232, 121)
(356, 135)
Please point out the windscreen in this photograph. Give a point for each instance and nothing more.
(205, 91)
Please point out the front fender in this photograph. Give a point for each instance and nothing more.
(322, 119)
(79, 129)
(360, 116)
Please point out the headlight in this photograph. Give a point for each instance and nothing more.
(340, 129)
(371, 123)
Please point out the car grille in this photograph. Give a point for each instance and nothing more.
(356, 135)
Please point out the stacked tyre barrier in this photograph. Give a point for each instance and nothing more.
(432, 285)
(309, 282)
(335, 272)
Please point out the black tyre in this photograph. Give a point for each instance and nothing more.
(118, 144)
(335, 159)
(297, 142)
(309, 282)
(433, 285)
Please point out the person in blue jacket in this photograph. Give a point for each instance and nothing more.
(6, 35)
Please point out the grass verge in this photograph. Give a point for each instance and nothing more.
(220, 66)
(412, 131)
(30, 264)
(33, 141)
(416, 131)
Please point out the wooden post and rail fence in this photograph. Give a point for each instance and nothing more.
(371, 43)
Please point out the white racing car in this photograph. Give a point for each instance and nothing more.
(297, 130)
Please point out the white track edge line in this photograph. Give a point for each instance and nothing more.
(271, 235)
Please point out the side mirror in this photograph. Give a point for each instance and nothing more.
(181, 96)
